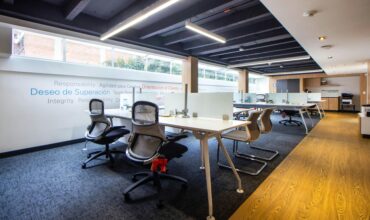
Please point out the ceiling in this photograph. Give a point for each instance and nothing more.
(252, 32)
(346, 23)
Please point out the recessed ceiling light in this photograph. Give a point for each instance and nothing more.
(322, 38)
(241, 49)
(138, 17)
(281, 66)
(330, 57)
(204, 32)
(309, 13)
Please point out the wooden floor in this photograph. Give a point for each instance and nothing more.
(327, 176)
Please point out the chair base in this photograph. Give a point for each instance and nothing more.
(242, 156)
(96, 154)
(237, 153)
(290, 121)
(155, 178)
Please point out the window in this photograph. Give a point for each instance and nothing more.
(209, 74)
(176, 68)
(125, 60)
(200, 73)
(258, 83)
(159, 66)
(77, 52)
(35, 45)
(220, 75)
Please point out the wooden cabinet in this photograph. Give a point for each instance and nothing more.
(312, 82)
(331, 104)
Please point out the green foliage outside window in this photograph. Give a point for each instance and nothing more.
(159, 66)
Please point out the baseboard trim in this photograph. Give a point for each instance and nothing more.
(39, 148)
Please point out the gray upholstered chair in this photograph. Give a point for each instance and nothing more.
(245, 134)
(265, 126)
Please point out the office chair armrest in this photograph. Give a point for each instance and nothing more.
(117, 127)
(174, 138)
(111, 129)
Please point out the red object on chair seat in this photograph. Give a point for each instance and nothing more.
(160, 163)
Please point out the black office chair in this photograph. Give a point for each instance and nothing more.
(290, 121)
(149, 145)
(101, 131)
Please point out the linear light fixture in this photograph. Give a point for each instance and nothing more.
(202, 31)
(294, 72)
(138, 17)
(282, 60)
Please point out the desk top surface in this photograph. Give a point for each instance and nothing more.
(194, 124)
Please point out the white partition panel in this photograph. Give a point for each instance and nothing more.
(211, 105)
(297, 98)
(313, 97)
(277, 98)
(174, 102)
(250, 97)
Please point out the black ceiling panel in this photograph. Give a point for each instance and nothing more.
(251, 31)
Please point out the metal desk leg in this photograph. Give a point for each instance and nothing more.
(303, 120)
(322, 110)
(231, 164)
(318, 110)
(204, 145)
(201, 158)
(309, 116)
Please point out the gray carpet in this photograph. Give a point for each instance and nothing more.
(50, 184)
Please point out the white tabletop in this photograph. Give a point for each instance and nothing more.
(194, 124)
(240, 110)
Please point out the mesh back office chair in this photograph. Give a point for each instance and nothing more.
(290, 121)
(149, 145)
(100, 131)
(246, 134)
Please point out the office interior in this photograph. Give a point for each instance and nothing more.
(184, 109)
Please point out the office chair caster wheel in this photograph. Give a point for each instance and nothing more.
(127, 197)
(160, 205)
(83, 166)
(88, 156)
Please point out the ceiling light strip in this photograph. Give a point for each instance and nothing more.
(282, 60)
(139, 17)
(204, 32)
(294, 72)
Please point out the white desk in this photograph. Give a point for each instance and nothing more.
(301, 108)
(203, 129)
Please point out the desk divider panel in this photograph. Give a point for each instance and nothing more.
(277, 98)
(297, 98)
(209, 105)
(314, 97)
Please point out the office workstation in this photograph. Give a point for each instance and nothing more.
(177, 109)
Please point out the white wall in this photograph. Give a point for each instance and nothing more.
(31, 119)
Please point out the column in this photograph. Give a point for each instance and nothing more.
(368, 82)
(190, 75)
(243, 81)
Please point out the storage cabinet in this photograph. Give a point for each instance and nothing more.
(331, 104)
